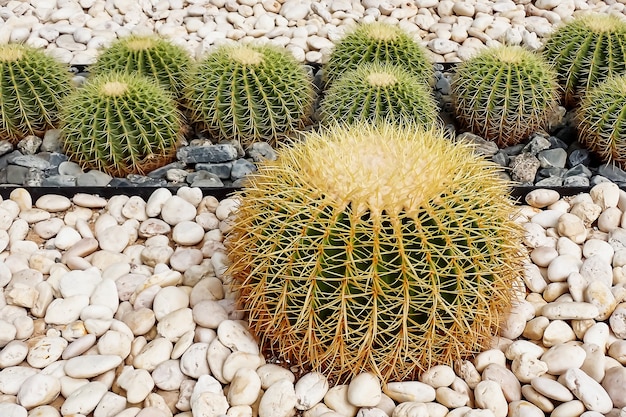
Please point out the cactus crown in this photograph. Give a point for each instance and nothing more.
(586, 51)
(377, 43)
(381, 79)
(11, 53)
(114, 88)
(246, 56)
(385, 249)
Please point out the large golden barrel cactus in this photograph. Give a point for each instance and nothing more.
(378, 248)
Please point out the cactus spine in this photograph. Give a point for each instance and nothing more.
(121, 124)
(373, 92)
(249, 93)
(585, 52)
(375, 247)
(504, 94)
(32, 87)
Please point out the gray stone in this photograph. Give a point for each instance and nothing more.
(59, 181)
(34, 177)
(612, 172)
(241, 168)
(481, 146)
(524, 168)
(550, 182)
(552, 158)
(597, 179)
(29, 145)
(5, 147)
(578, 170)
(551, 172)
(162, 171)
(513, 150)
(576, 181)
(537, 144)
(501, 159)
(16, 174)
(204, 179)
(578, 157)
(222, 170)
(52, 141)
(70, 168)
(260, 151)
(30, 161)
(146, 181)
(210, 153)
(93, 179)
(176, 175)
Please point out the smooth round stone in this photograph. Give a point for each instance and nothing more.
(216, 356)
(572, 227)
(84, 399)
(76, 283)
(614, 383)
(409, 391)
(561, 266)
(508, 382)
(168, 375)
(89, 366)
(116, 343)
(187, 233)
(363, 391)
(184, 258)
(138, 383)
(191, 194)
(569, 311)
(79, 346)
(156, 201)
(176, 210)
(562, 357)
(451, 398)
(12, 378)
(183, 343)
(66, 238)
(557, 332)
(152, 354)
(270, 373)
(113, 239)
(245, 387)
(12, 410)
(153, 227)
(37, 390)
(438, 376)
(110, 405)
(234, 335)
(89, 200)
(216, 404)
(53, 203)
(175, 324)
(543, 255)
(209, 314)
(65, 310)
(542, 197)
(587, 390)
(523, 408)
(239, 360)
(135, 208)
(48, 228)
(43, 411)
(605, 194)
(139, 321)
(13, 353)
(45, 351)
(337, 399)
(551, 389)
(489, 395)
(169, 299)
(599, 294)
(526, 367)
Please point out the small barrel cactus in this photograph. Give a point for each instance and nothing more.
(121, 124)
(375, 247)
(249, 93)
(585, 51)
(32, 87)
(147, 55)
(602, 120)
(504, 94)
(378, 42)
(374, 91)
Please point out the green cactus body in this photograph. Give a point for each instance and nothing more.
(374, 92)
(32, 87)
(121, 124)
(151, 56)
(602, 120)
(378, 42)
(504, 94)
(379, 247)
(249, 93)
(585, 51)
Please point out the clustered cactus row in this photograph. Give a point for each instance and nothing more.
(121, 124)
(585, 52)
(375, 248)
(504, 94)
(373, 92)
(151, 56)
(249, 93)
(32, 87)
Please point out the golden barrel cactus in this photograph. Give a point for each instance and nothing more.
(375, 248)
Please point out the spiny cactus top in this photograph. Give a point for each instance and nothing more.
(378, 42)
(602, 120)
(504, 94)
(151, 56)
(121, 124)
(249, 93)
(375, 247)
(585, 51)
(32, 86)
(375, 91)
